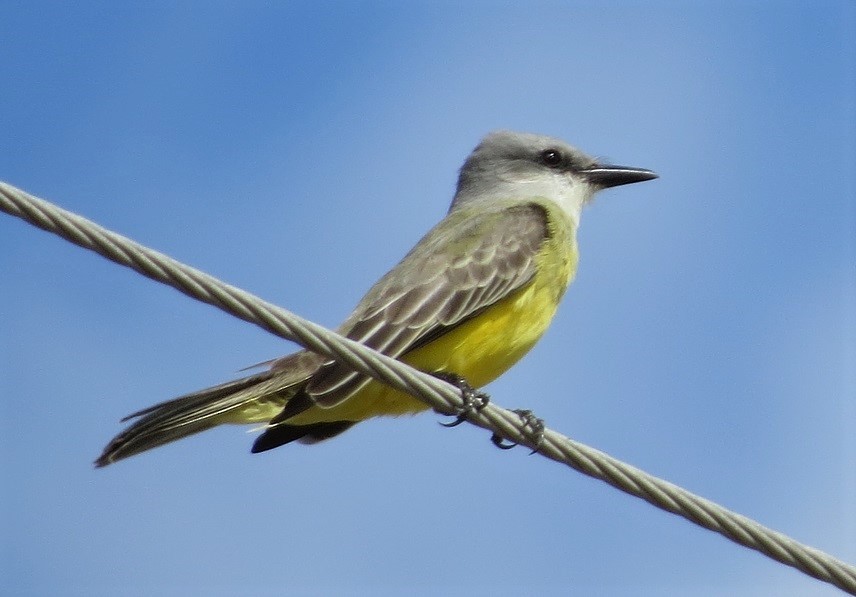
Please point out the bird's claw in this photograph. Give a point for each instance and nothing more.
(533, 427)
(474, 400)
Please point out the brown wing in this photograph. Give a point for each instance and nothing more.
(470, 260)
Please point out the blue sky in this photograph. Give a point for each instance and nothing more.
(298, 150)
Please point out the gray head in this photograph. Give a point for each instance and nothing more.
(512, 165)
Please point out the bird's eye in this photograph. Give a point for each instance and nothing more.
(551, 157)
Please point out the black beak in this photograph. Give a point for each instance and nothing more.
(607, 175)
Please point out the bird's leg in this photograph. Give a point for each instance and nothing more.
(533, 427)
(474, 400)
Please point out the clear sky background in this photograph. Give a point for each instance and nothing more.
(298, 150)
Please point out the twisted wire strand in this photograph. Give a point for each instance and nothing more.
(438, 394)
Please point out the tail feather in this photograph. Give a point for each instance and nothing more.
(278, 435)
(256, 398)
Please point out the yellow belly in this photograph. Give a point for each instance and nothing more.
(480, 350)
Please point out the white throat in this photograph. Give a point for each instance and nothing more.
(569, 193)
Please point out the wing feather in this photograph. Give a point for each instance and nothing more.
(471, 259)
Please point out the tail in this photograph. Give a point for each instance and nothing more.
(253, 399)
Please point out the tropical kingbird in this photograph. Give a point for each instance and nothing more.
(468, 301)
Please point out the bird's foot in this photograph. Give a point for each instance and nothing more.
(533, 428)
(474, 400)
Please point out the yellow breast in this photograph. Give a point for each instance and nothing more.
(484, 347)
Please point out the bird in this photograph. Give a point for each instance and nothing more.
(470, 299)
